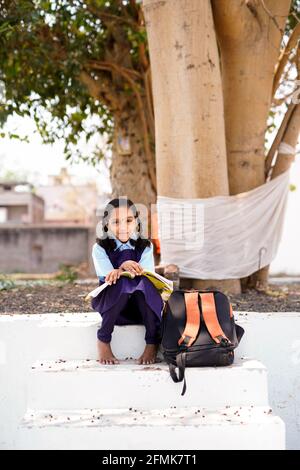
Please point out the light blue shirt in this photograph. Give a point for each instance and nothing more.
(103, 264)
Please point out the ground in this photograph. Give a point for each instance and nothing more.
(55, 297)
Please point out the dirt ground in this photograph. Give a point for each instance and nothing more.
(56, 297)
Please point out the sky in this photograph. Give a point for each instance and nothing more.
(36, 161)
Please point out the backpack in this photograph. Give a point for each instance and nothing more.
(198, 329)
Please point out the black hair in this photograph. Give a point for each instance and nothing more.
(108, 243)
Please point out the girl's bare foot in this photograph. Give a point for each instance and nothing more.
(105, 353)
(149, 354)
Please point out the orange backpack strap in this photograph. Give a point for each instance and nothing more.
(210, 317)
(231, 311)
(193, 317)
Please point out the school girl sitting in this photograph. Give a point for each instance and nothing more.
(122, 247)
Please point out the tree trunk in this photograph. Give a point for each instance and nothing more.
(259, 279)
(249, 43)
(249, 36)
(132, 170)
(129, 168)
(188, 103)
(291, 136)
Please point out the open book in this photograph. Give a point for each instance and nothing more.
(162, 284)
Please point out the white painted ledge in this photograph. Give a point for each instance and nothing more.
(88, 384)
(170, 429)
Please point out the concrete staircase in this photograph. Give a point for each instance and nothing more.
(76, 403)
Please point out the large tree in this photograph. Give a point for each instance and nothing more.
(63, 62)
(216, 66)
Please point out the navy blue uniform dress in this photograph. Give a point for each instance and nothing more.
(129, 301)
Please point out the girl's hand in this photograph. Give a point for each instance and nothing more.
(113, 276)
(132, 266)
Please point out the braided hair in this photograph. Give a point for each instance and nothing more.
(108, 243)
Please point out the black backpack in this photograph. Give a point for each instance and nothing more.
(198, 329)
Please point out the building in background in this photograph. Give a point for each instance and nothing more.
(69, 200)
(19, 204)
(44, 227)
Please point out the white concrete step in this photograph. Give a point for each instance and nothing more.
(88, 384)
(170, 429)
(73, 336)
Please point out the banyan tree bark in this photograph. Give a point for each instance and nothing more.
(249, 43)
(213, 73)
(290, 137)
(188, 102)
(259, 279)
(123, 85)
(249, 36)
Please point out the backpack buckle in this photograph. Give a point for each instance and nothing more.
(187, 340)
(224, 342)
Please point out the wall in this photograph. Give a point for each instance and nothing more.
(40, 248)
(273, 338)
(22, 207)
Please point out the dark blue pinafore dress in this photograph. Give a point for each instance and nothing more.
(110, 296)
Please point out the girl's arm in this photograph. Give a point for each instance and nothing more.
(101, 261)
(147, 258)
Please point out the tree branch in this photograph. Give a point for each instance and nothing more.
(284, 56)
(272, 17)
(109, 17)
(124, 73)
(278, 138)
(104, 65)
(290, 137)
(99, 90)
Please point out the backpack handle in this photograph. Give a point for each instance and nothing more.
(180, 362)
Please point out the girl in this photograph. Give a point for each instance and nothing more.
(125, 301)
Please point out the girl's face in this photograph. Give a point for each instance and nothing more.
(122, 223)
